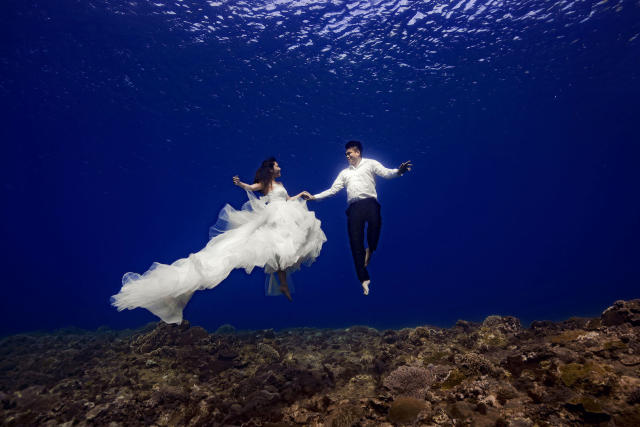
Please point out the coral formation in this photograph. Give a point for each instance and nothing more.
(579, 371)
(409, 381)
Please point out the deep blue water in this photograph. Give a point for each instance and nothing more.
(123, 123)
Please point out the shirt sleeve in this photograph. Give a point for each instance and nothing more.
(338, 185)
(380, 170)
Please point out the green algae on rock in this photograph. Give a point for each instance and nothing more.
(454, 378)
(573, 372)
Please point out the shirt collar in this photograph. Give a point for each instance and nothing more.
(359, 164)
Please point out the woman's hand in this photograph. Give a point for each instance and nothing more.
(248, 187)
(306, 195)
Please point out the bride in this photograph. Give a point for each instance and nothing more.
(275, 232)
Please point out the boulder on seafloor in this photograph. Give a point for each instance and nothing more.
(622, 312)
(405, 409)
(170, 335)
(503, 324)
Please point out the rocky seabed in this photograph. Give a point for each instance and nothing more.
(495, 373)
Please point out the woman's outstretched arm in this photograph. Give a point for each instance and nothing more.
(249, 187)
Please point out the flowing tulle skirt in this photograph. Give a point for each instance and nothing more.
(275, 235)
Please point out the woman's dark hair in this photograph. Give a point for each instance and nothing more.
(264, 174)
(354, 144)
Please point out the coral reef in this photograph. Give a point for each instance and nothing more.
(410, 381)
(495, 373)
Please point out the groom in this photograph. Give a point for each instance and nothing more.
(359, 178)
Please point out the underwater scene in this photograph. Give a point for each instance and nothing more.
(320, 213)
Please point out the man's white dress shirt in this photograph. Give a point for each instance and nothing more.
(359, 180)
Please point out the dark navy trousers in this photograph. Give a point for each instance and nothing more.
(366, 211)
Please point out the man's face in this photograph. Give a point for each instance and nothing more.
(353, 156)
(276, 170)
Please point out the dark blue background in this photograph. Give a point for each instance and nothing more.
(122, 126)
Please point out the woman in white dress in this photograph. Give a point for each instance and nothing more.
(275, 232)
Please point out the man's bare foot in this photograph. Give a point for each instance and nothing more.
(367, 257)
(285, 290)
(365, 286)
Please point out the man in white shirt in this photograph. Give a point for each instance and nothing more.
(359, 178)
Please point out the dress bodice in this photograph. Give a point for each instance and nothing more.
(277, 193)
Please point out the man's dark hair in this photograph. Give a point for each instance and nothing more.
(354, 144)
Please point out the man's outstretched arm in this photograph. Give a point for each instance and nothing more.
(338, 185)
(391, 173)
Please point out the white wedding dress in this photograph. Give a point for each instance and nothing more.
(270, 232)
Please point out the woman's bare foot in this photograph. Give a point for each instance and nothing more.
(285, 290)
(367, 257)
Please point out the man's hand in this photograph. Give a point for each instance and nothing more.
(307, 196)
(405, 167)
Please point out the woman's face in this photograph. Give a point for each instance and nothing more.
(276, 170)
